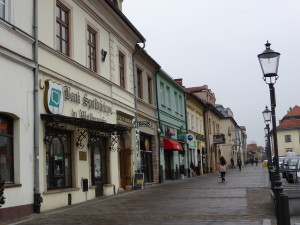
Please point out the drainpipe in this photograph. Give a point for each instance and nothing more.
(37, 195)
(159, 125)
(136, 51)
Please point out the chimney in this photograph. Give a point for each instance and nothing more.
(179, 81)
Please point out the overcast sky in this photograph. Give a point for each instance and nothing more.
(216, 42)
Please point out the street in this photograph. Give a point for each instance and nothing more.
(244, 199)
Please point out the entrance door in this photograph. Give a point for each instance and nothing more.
(168, 171)
(98, 166)
(123, 166)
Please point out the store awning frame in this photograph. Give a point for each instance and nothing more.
(172, 145)
(85, 129)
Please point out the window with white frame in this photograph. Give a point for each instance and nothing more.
(201, 127)
(197, 124)
(193, 122)
(168, 97)
(180, 105)
(2, 9)
(288, 138)
(176, 101)
(6, 149)
(188, 120)
(162, 94)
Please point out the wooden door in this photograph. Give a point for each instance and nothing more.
(123, 167)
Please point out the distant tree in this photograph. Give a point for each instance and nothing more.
(2, 198)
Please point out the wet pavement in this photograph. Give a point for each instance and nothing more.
(244, 199)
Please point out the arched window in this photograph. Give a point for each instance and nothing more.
(58, 161)
(6, 149)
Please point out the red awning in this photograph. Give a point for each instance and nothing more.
(172, 145)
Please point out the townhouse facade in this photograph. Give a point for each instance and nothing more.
(172, 125)
(196, 133)
(146, 121)
(86, 101)
(213, 135)
(17, 78)
(288, 132)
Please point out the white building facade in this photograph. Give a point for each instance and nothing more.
(16, 107)
(87, 102)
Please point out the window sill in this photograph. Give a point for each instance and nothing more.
(48, 192)
(12, 185)
(93, 187)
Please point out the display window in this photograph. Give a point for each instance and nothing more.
(58, 161)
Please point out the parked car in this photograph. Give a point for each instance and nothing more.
(281, 160)
(293, 164)
(284, 166)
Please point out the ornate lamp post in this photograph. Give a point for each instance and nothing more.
(267, 118)
(269, 61)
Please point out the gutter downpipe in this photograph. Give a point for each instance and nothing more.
(37, 195)
(158, 134)
(136, 51)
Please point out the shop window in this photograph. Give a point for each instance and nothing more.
(139, 74)
(6, 149)
(58, 161)
(62, 28)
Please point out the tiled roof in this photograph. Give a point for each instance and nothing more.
(289, 124)
(196, 89)
(243, 127)
(252, 147)
(293, 112)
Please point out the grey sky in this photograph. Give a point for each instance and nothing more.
(216, 42)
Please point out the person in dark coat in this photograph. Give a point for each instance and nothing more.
(239, 162)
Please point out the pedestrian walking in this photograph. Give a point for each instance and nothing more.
(222, 168)
(239, 162)
(251, 160)
(256, 161)
(232, 163)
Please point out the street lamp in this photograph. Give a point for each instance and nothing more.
(267, 118)
(269, 61)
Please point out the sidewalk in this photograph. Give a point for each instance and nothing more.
(244, 199)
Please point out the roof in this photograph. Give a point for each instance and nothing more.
(291, 120)
(252, 147)
(124, 18)
(293, 112)
(243, 127)
(196, 89)
(289, 124)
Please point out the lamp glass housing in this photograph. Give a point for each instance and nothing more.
(267, 115)
(269, 61)
(266, 131)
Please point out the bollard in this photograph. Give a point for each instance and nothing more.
(285, 210)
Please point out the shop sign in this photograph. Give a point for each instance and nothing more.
(53, 97)
(124, 119)
(190, 138)
(142, 124)
(56, 94)
(82, 156)
(193, 144)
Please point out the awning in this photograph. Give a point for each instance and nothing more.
(89, 129)
(172, 145)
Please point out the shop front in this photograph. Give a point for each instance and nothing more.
(80, 138)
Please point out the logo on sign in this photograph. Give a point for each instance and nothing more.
(53, 99)
(190, 138)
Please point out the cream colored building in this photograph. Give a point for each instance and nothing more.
(17, 107)
(212, 120)
(196, 135)
(147, 157)
(288, 132)
(86, 100)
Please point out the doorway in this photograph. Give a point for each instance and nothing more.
(99, 165)
(168, 163)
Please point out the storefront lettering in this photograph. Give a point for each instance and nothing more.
(71, 96)
(84, 115)
(90, 103)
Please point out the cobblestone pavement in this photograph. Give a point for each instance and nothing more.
(244, 199)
